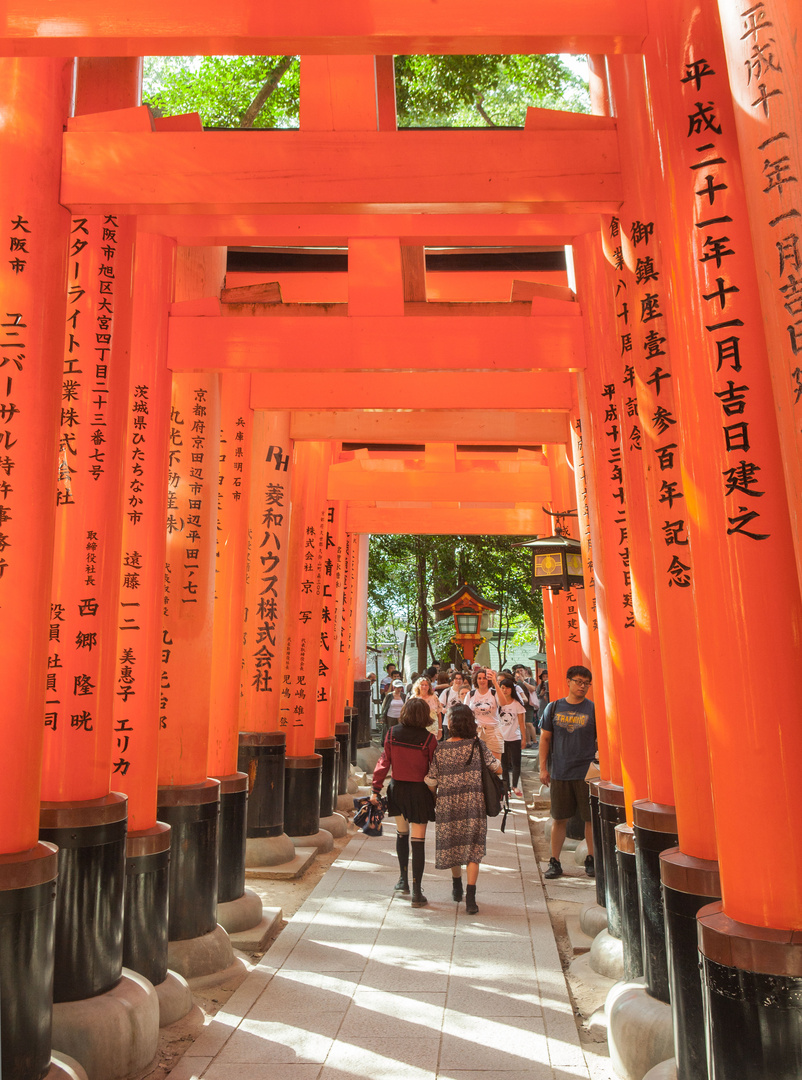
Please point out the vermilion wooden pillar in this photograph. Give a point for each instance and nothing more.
(188, 799)
(262, 741)
(761, 44)
(232, 542)
(603, 692)
(79, 812)
(299, 666)
(565, 606)
(135, 708)
(603, 442)
(742, 524)
(340, 698)
(36, 228)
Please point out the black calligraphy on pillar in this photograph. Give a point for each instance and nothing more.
(266, 561)
(714, 205)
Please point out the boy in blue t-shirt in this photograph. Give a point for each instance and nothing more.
(568, 737)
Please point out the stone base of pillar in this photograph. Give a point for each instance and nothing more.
(114, 1034)
(241, 914)
(285, 871)
(607, 955)
(63, 1067)
(640, 1031)
(175, 998)
(345, 803)
(335, 824)
(593, 919)
(268, 850)
(580, 853)
(666, 1070)
(204, 955)
(752, 989)
(255, 938)
(322, 841)
(366, 759)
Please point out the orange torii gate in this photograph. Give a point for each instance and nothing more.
(672, 370)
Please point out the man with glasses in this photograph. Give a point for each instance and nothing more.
(567, 748)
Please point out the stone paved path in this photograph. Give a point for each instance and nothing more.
(360, 984)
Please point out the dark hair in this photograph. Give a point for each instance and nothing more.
(582, 672)
(507, 683)
(476, 674)
(461, 723)
(415, 713)
(431, 671)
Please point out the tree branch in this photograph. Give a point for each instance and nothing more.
(269, 85)
(481, 110)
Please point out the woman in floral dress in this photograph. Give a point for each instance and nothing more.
(460, 813)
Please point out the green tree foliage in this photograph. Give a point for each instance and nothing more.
(222, 88)
(431, 91)
(409, 574)
(479, 91)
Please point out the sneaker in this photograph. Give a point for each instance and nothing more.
(590, 866)
(555, 869)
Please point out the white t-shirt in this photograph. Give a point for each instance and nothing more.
(508, 720)
(488, 698)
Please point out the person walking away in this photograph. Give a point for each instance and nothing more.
(408, 752)
(512, 725)
(460, 813)
(567, 748)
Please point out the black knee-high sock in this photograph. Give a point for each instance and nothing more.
(402, 851)
(418, 858)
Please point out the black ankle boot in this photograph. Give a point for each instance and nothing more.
(402, 885)
(456, 889)
(418, 899)
(470, 901)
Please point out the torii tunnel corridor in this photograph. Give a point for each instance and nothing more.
(228, 357)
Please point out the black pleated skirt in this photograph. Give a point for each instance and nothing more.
(411, 799)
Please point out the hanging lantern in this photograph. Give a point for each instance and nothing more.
(556, 563)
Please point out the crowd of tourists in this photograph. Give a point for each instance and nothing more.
(442, 728)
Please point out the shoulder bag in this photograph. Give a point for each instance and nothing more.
(492, 785)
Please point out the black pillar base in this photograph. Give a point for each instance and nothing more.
(27, 949)
(90, 836)
(261, 756)
(655, 830)
(598, 849)
(302, 795)
(362, 705)
(752, 992)
(147, 887)
(342, 733)
(231, 837)
(611, 813)
(192, 811)
(688, 885)
(353, 727)
(630, 901)
(327, 749)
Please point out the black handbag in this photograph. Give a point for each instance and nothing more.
(492, 785)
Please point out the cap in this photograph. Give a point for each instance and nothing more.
(397, 682)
